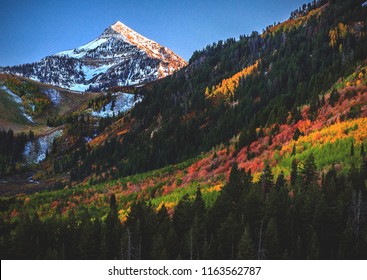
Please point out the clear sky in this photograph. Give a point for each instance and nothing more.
(33, 29)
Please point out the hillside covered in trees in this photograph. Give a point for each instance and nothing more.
(255, 150)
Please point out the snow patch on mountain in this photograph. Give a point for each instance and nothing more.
(122, 102)
(54, 95)
(81, 51)
(90, 72)
(35, 151)
(17, 100)
(79, 87)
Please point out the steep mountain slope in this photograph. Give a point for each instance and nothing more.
(118, 57)
(178, 118)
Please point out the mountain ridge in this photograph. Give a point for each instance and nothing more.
(118, 57)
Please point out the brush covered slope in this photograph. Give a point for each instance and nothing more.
(119, 56)
(26, 104)
(255, 150)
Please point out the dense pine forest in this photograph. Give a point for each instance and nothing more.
(11, 149)
(264, 220)
(255, 150)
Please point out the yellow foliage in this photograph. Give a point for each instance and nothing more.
(292, 23)
(168, 205)
(314, 12)
(123, 215)
(333, 36)
(343, 29)
(356, 129)
(336, 33)
(215, 188)
(256, 177)
(228, 86)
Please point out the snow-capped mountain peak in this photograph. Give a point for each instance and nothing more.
(152, 48)
(124, 30)
(131, 36)
(119, 56)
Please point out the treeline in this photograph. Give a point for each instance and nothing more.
(312, 216)
(11, 150)
(306, 8)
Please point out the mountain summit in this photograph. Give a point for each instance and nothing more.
(118, 57)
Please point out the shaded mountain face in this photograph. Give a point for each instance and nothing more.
(118, 57)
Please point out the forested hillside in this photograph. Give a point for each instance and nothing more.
(182, 115)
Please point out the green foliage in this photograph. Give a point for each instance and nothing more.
(327, 154)
(9, 109)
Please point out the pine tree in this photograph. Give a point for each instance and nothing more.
(112, 231)
(280, 183)
(273, 250)
(294, 173)
(308, 172)
(198, 225)
(246, 247)
(183, 217)
(352, 149)
(267, 180)
(232, 191)
(31, 135)
(313, 250)
(363, 154)
(157, 248)
(227, 237)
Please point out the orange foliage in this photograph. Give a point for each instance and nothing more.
(27, 200)
(215, 188)
(54, 204)
(14, 213)
(122, 132)
(168, 205)
(303, 125)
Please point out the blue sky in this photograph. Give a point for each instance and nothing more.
(33, 29)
